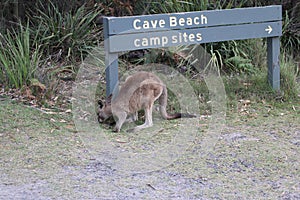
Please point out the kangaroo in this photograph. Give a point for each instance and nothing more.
(138, 92)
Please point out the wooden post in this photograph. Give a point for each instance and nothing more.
(111, 74)
(273, 56)
(111, 63)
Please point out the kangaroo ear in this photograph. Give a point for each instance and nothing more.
(100, 103)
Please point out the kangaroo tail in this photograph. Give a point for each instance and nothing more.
(163, 100)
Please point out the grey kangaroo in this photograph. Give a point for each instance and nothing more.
(139, 92)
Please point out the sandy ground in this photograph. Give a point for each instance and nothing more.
(44, 156)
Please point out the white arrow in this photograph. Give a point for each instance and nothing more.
(269, 29)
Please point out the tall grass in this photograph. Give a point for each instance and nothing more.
(169, 6)
(290, 40)
(241, 56)
(288, 77)
(256, 86)
(18, 60)
(67, 33)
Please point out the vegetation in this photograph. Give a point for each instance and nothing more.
(18, 60)
(68, 34)
(54, 37)
(50, 151)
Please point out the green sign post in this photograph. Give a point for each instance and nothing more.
(166, 30)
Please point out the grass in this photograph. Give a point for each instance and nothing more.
(289, 73)
(18, 61)
(255, 155)
(68, 34)
(34, 141)
(256, 85)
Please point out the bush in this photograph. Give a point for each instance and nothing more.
(288, 78)
(290, 40)
(18, 59)
(67, 34)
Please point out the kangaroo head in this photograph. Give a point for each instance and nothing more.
(105, 110)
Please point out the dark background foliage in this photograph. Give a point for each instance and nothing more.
(59, 34)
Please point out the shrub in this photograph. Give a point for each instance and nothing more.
(69, 34)
(18, 60)
(288, 78)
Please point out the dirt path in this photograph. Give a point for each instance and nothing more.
(256, 157)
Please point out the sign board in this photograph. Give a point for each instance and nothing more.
(166, 30)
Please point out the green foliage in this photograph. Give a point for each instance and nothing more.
(239, 64)
(61, 36)
(18, 60)
(290, 40)
(256, 87)
(169, 6)
(120, 8)
(66, 33)
(242, 56)
(252, 87)
(288, 77)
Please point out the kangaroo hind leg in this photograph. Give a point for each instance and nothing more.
(148, 118)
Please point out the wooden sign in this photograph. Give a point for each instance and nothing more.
(166, 30)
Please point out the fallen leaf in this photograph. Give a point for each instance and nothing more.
(68, 111)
